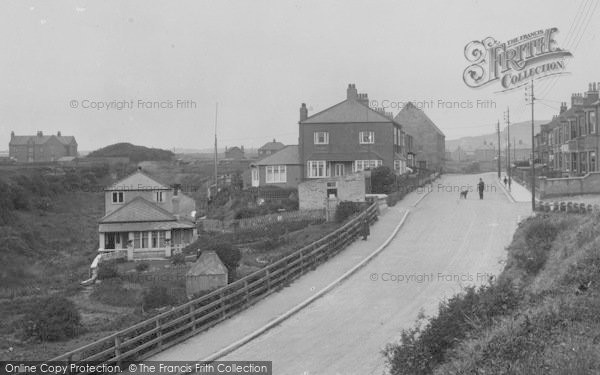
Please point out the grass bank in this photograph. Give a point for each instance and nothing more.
(540, 316)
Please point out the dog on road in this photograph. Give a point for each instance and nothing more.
(463, 194)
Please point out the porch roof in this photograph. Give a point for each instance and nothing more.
(145, 226)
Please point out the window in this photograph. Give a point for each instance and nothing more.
(399, 166)
(154, 239)
(144, 240)
(275, 174)
(161, 238)
(317, 168)
(592, 161)
(160, 196)
(366, 137)
(574, 162)
(591, 122)
(117, 197)
(332, 190)
(136, 240)
(583, 162)
(255, 178)
(321, 138)
(361, 165)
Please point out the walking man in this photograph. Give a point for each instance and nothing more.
(365, 230)
(480, 187)
(505, 181)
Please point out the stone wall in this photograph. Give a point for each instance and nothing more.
(553, 187)
(312, 194)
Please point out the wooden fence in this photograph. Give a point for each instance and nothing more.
(169, 328)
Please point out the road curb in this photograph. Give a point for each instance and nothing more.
(506, 192)
(305, 303)
(423, 196)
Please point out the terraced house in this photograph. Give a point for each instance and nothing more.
(569, 144)
(351, 137)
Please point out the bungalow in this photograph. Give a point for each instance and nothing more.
(282, 169)
(145, 219)
(270, 148)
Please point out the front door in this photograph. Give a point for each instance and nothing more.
(338, 169)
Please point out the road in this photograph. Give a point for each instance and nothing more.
(445, 244)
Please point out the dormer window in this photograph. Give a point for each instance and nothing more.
(117, 197)
(160, 196)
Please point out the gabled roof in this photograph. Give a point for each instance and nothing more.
(40, 140)
(350, 110)
(209, 263)
(138, 210)
(137, 181)
(272, 146)
(411, 116)
(286, 156)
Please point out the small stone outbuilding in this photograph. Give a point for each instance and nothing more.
(207, 273)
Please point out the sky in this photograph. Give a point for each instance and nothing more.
(160, 67)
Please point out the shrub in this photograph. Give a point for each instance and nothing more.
(107, 270)
(346, 209)
(53, 319)
(423, 347)
(539, 234)
(383, 180)
(178, 258)
(156, 296)
(142, 266)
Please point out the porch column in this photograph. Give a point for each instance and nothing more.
(101, 241)
(130, 246)
(169, 245)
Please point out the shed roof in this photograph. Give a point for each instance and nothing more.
(286, 156)
(209, 263)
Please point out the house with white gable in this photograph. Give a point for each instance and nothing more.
(145, 219)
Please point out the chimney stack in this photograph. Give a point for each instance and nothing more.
(364, 99)
(563, 107)
(12, 134)
(40, 134)
(58, 134)
(351, 92)
(274, 140)
(303, 113)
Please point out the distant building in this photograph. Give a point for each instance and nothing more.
(146, 218)
(269, 148)
(429, 139)
(40, 147)
(283, 169)
(351, 137)
(234, 153)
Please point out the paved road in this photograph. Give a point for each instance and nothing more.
(445, 244)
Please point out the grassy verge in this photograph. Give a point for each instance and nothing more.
(540, 316)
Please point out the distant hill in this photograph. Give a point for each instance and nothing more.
(520, 132)
(135, 153)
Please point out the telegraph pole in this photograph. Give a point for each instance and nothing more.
(507, 118)
(532, 100)
(498, 131)
(216, 173)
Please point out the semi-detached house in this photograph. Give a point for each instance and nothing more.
(351, 137)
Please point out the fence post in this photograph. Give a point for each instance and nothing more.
(246, 292)
(268, 275)
(118, 349)
(159, 334)
(222, 297)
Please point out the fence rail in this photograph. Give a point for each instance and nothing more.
(169, 328)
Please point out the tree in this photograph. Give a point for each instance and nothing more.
(382, 180)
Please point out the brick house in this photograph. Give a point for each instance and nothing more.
(570, 143)
(351, 137)
(145, 219)
(269, 148)
(40, 147)
(282, 169)
(430, 140)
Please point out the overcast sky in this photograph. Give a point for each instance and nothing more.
(260, 60)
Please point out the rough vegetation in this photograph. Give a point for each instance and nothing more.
(540, 316)
(134, 153)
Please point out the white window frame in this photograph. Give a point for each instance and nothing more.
(361, 165)
(324, 141)
(275, 174)
(317, 165)
(366, 137)
(159, 196)
(255, 177)
(118, 197)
